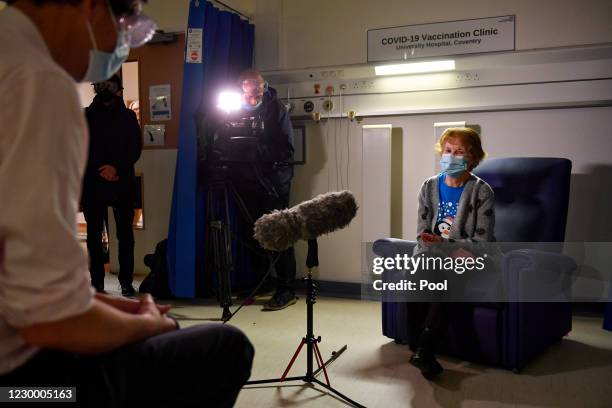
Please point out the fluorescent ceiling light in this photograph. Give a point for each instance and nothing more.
(415, 67)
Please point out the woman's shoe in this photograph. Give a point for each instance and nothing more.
(427, 363)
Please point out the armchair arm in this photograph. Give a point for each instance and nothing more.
(539, 309)
(389, 247)
(537, 276)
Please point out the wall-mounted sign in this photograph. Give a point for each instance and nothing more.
(154, 135)
(159, 102)
(441, 39)
(193, 50)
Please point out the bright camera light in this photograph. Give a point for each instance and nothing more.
(415, 67)
(229, 101)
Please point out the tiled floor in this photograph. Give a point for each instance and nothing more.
(374, 370)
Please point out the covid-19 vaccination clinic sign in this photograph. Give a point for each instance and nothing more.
(441, 39)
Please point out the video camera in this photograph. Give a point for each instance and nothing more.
(236, 139)
(230, 141)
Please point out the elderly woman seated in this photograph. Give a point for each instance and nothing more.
(454, 206)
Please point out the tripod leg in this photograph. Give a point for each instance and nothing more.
(297, 352)
(220, 244)
(227, 263)
(338, 393)
(252, 294)
(241, 205)
(320, 362)
(334, 356)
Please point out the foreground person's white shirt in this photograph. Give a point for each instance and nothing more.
(43, 147)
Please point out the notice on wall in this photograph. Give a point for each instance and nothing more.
(159, 102)
(154, 135)
(193, 51)
(441, 39)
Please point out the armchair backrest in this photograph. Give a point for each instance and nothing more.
(531, 197)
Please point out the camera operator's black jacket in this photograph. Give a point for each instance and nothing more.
(115, 139)
(276, 150)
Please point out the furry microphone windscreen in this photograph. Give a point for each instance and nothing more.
(323, 214)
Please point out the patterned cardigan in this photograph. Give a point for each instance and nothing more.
(475, 220)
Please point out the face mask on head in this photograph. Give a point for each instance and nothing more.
(102, 65)
(452, 165)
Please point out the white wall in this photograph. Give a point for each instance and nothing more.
(129, 72)
(322, 32)
(582, 135)
(86, 93)
(339, 252)
(333, 33)
(269, 42)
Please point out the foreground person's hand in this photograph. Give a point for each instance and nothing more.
(160, 323)
(128, 305)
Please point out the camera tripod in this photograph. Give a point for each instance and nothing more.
(219, 246)
(311, 342)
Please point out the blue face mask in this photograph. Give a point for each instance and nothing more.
(102, 65)
(453, 165)
(250, 108)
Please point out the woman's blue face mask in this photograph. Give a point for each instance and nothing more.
(453, 165)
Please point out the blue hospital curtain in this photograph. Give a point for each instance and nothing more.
(227, 49)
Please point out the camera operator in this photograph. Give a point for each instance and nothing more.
(269, 190)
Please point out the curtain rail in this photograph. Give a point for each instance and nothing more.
(249, 18)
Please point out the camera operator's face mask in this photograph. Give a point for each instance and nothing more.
(252, 95)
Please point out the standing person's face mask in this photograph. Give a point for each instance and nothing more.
(453, 165)
(102, 65)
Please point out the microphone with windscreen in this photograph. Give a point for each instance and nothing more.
(325, 213)
(281, 229)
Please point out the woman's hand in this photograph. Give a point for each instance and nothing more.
(462, 253)
(429, 238)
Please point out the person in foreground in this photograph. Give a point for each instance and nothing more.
(454, 206)
(54, 330)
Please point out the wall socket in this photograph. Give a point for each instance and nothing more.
(467, 77)
(328, 105)
(362, 85)
(335, 73)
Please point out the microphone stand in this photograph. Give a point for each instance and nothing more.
(312, 348)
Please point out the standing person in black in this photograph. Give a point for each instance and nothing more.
(270, 189)
(115, 145)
